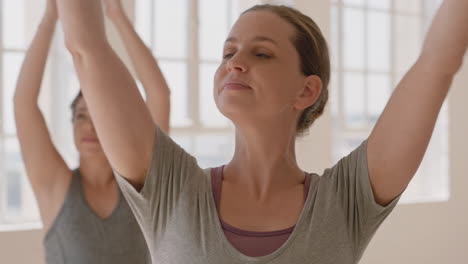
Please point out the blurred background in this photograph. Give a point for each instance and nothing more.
(373, 43)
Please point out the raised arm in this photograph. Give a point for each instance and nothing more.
(46, 170)
(121, 118)
(147, 69)
(400, 138)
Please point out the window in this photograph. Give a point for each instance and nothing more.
(17, 203)
(373, 43)
(189, 52)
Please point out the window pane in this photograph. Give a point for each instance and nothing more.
(13, 23)
(235, 12)
(176, 77)
(408, 41)
(353, 29)
(17, 199)
(143, 20)
(354, 2)
(184, 141)
(335, 33)
(12, 202)
(413, 6)
(213, 150)
(214, 20)
(170, 37)
(354, 99)
(379, 93)
(381, 4)
(210, 150)
(379, 41)
(11, 65)
(333, 91)
(210, 115)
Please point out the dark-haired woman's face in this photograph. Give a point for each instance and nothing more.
(259, 78)
(85, 136)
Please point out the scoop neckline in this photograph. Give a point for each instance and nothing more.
(234, 251)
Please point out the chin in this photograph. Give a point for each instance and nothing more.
(233, 104)
(91, 151)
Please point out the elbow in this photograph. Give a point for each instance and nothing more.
(81, 47)
(448, 64)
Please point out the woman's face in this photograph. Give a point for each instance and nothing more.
(85, 136)
(259, 78)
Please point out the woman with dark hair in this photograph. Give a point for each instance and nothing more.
(272, 83)
(84, 214)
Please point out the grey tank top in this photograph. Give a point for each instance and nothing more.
(78, 235)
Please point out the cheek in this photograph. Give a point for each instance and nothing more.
(218, 79)
(282, 90)
(219, 75)
(77, 128)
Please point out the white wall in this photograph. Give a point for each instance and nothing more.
(21, 247)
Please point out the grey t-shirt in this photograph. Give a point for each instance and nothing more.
(178, 216)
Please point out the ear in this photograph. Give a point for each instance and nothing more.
(310, 92)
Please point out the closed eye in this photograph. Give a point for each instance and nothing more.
(228, 55)
(263, 55)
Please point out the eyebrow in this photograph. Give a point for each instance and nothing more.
(257, 38)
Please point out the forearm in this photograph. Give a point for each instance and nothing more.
(32, 70)
(447, 40)
(401, 136)
(83, 26)
(147, 70)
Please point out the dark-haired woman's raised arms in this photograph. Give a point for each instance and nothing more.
(120, 116)
(147, 69)
(401, 136)
(46, 170)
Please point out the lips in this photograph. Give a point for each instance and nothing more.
(90, 140)
(233, 85)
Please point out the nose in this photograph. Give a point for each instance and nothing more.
(237, 63)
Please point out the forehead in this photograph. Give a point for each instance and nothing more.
(253, 24)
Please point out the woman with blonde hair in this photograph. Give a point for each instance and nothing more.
(84, 214)
(272, 83)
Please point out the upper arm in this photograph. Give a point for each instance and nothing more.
(160, 107)
(401, 136)
(47, 171)
(119, 114)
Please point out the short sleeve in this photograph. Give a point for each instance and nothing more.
(349, 182)
(165, 180)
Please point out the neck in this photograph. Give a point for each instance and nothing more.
(264, 159)
(96, 171)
